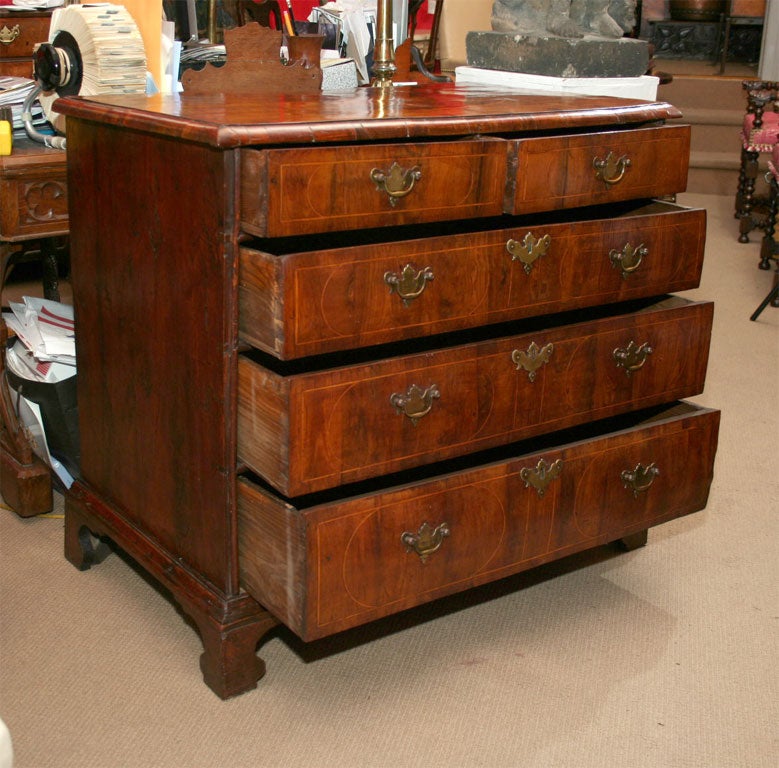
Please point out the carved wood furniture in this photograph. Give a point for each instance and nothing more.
(33, 221)
(759, 136)
(340, 355)
(20, 31)
(769, 249)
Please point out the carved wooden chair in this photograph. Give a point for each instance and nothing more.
(770, 248)
(759, 136)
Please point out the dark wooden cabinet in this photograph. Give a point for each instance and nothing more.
(341, 355)
(20, 32)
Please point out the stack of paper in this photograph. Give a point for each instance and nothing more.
(46, 330)
(44, 354)
(13, 92)
(643, 87)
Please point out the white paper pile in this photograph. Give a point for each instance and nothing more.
(13, 92)
(45, 352)
(643, 87)
(46, 330)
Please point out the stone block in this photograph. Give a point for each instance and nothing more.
(557, 56)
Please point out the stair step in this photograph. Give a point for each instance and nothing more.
(719, 160)
(709, 116)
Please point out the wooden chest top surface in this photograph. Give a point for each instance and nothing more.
(231, 120)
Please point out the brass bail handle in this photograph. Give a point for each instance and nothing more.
(7, 36)
(397, 182)
(426, 540)
(409, 283)
(415, 402)
(632, 357)
(639, 480)
(629, 259)
(611, 169)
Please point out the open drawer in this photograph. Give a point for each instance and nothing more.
(304, 428)
(323, 565)
(363, 293)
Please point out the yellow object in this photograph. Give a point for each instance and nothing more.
(6, 138)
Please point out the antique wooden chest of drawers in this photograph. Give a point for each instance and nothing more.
(345, 354)
(20, 32)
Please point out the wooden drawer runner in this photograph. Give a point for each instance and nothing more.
(333, 565)
(313, 430)
(371, 294)
(568, 171)
(326, 189)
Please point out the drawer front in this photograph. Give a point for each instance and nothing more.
(334, 566)
(16, 68)
(374, 294)
(323, 189)
(20, 34)
(34, 206)
(308, 432)
(565, 172)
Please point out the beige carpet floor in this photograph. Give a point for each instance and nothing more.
(665, 657)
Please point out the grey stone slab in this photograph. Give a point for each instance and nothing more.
(557, 56)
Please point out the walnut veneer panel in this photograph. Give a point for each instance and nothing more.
(338, 564)
(324, 189)
(315, 430)
(560, 172)
(464, 280)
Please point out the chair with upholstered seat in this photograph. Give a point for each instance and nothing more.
(770, 248)
(759, 136)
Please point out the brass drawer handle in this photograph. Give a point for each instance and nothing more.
(632, 357)
(628, 259)
(416, 402)
(541, 475)
(611, 170)
(7, 36)
(532, 359)
(528, 250)
(639, 479)
(396, 183)
(410, 283)
(426, 540)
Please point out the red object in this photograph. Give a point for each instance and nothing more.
(302, 9)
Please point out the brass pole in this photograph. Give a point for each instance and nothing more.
(212, 28)
(383, 50)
